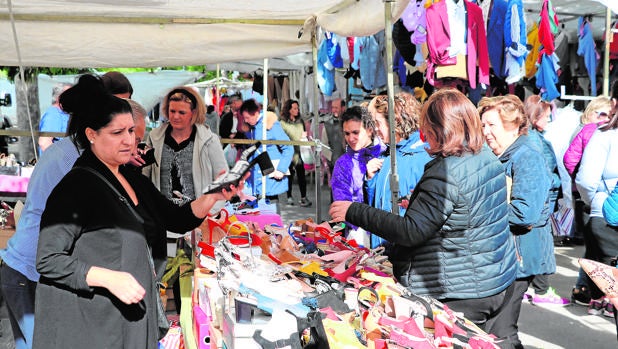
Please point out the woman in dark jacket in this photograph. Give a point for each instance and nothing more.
(453, 243)
(97, 285)
(505, 127)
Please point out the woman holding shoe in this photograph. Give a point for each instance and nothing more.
(97, 286)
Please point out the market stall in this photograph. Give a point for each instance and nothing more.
(227, 279)
(304, 284)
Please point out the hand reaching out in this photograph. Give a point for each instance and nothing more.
(339, 209)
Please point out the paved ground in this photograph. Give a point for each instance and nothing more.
(540, 327)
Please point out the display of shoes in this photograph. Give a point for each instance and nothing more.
(304, 202)
(595, 307)
(580, 296)
(550, 298)
(608, 308)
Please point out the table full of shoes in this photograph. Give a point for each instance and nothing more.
(305, 286)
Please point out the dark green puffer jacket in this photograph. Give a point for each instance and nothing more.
(454, 239)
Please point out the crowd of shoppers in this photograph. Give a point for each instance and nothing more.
(478, 243)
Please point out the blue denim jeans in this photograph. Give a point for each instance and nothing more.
(19, 297)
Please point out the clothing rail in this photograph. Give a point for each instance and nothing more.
(563, 95)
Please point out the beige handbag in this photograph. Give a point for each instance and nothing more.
(458, 70)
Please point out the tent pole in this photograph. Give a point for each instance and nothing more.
(264, 111)
(23, 79)
(608, 38)
(388, 38)
(217, 93)
(316, 128)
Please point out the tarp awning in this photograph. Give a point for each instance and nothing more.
(153, 33)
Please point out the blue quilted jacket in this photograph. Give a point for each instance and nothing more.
(529, 207)
(454, 239)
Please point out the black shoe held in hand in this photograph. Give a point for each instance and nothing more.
(242, 166)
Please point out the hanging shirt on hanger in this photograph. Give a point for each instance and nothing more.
(439, 42)
(515, 41)
(457, 27)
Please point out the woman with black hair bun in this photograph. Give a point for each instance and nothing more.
(97, 287)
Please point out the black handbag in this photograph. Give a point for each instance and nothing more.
(162, 321)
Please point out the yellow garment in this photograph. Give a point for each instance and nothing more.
(533, 56)
(428, 3)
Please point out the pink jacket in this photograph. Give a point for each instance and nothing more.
(573, 155)
(438, 42)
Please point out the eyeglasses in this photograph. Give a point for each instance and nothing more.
(602, 114)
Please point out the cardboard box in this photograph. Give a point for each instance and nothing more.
(5, 235)
(201, 328)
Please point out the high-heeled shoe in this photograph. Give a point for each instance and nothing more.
(268, 304)
(242, 166)
(214, 231)
(603, 275)
(281, 332)
(231, 224)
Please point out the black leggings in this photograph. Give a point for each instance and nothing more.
(299, 170)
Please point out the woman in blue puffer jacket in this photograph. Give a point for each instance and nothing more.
(505, 127)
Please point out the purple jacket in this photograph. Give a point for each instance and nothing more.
(574, 153)
(350, 169)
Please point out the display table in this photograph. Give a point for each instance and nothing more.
(13, 188)
(261, 219)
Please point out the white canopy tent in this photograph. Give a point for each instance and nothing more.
(152, 33)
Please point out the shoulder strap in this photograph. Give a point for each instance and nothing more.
(114, 190)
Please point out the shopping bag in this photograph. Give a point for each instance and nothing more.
(306, 153)
(562, 220)
(230, 153)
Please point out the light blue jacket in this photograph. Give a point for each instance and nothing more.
(529, 207)
(411, 160)
(54, 163)
(278, 153)
(610, 208)
(587, 50)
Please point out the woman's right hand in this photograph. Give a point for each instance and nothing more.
(373, 166)
(121, 284)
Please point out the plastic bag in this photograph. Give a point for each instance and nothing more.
(306, 153)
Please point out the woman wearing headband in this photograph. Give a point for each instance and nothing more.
(188, 154)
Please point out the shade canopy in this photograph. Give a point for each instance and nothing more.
(154, 33)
